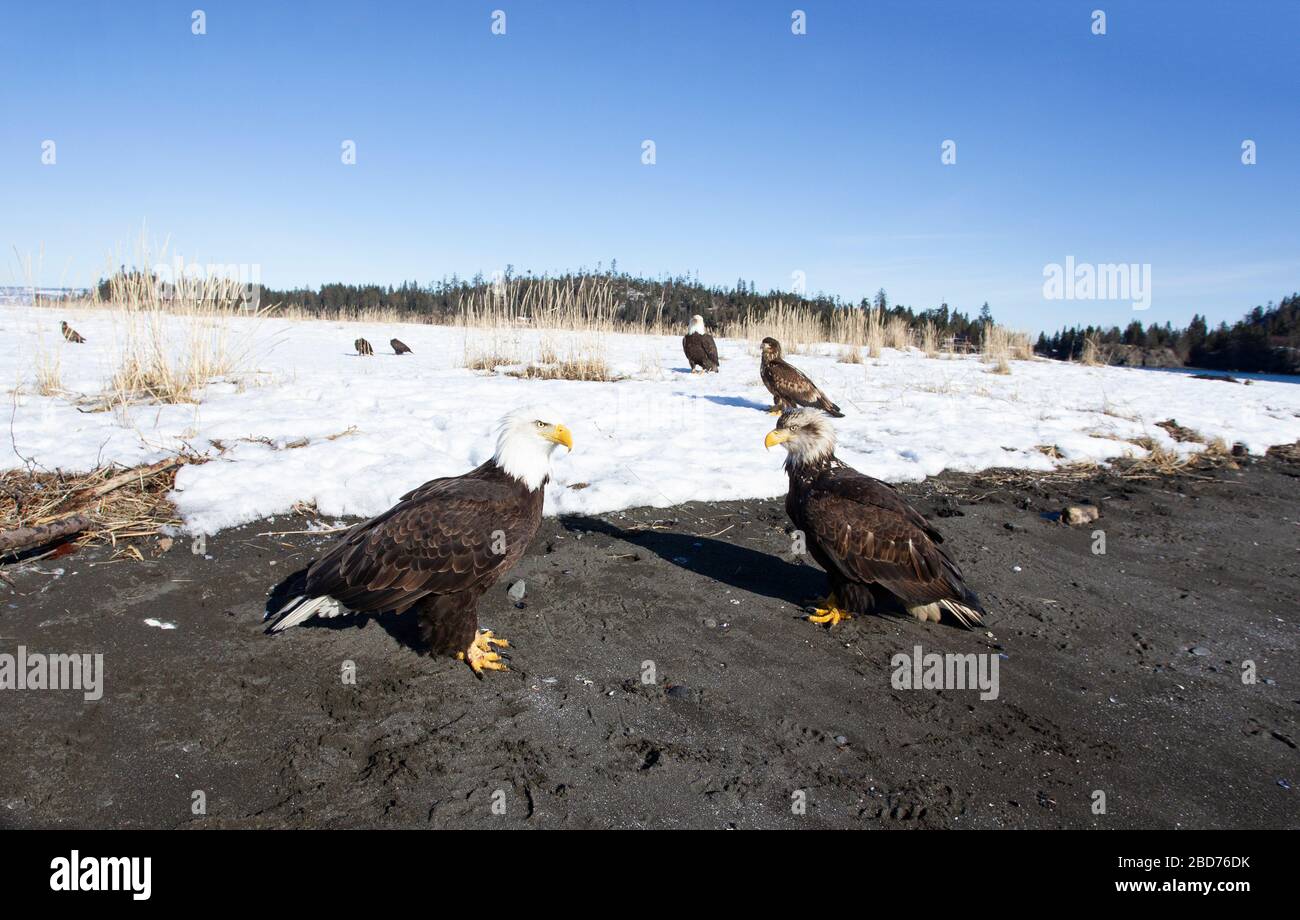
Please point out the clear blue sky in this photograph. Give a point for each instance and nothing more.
(775, 152)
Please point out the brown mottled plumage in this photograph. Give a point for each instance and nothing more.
(438, 549)
(363, 347)
(874, 546)
(72, 335)
(400, 347)
(789, 386)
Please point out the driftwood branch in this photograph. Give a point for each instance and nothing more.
(139, 474)
(23, 537)
(79, 500)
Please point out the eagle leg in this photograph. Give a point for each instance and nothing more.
(831, 614)
(480, 656)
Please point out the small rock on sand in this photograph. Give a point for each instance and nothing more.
(1076, 515)
(516, 591)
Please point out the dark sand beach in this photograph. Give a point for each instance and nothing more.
(1119, 673)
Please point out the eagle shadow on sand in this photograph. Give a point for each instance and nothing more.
(753, 570)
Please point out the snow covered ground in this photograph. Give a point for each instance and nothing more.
(365, 430)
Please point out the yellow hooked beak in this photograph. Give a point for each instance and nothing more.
(778, 436)
(560, 435)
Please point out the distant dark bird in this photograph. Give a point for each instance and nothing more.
(363, 347)
(400, 347)
(701, 350)
(439, 548)
(875, 547)
(72, 335)
(789, 386)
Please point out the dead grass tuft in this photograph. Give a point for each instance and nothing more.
(49, 374)
(897, 334)
(591, 369)
(794, 327)
(929, 339)
(1001, 345)
(1092, 353)
(1178, 432)
(1219, 448)
(171, 339)
(1159, 459)
(862, 328)
(487, 361)
(1288, 453)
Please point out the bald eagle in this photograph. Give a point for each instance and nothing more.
(400, 347)
(874, 546)
(72, 335)
(439, 548)
(363, 347)
(788, 385)
(701, 350)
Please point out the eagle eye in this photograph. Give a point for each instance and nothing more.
(540, 424)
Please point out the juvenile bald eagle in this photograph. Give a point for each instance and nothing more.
(874, 546)
(789, 386)
(363, 347)
(439, 548)
(400, 347)
(701, 350)
(72, 335)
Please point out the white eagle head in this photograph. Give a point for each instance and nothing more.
(526, 438)
(806, 434)
(697, 324)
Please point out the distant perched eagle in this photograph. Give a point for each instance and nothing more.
(788, 385)
(72, 335)
(701, 350)
(875, 547)
(363, 347)
(400, 347)
(439, 548)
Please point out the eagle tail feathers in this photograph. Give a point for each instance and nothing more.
(302, 609)
(967, 616)
(970, 617)
(830, 408)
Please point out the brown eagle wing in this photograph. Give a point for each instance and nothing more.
(437, 540)
(873, 535)
(793, 385)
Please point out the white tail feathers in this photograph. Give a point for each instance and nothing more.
(302, 609)
(966, 616)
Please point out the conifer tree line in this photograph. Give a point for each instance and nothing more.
(682, 297)
(1265, 340)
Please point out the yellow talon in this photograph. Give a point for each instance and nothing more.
(480, 657)
(775, 410)
(830, 614)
